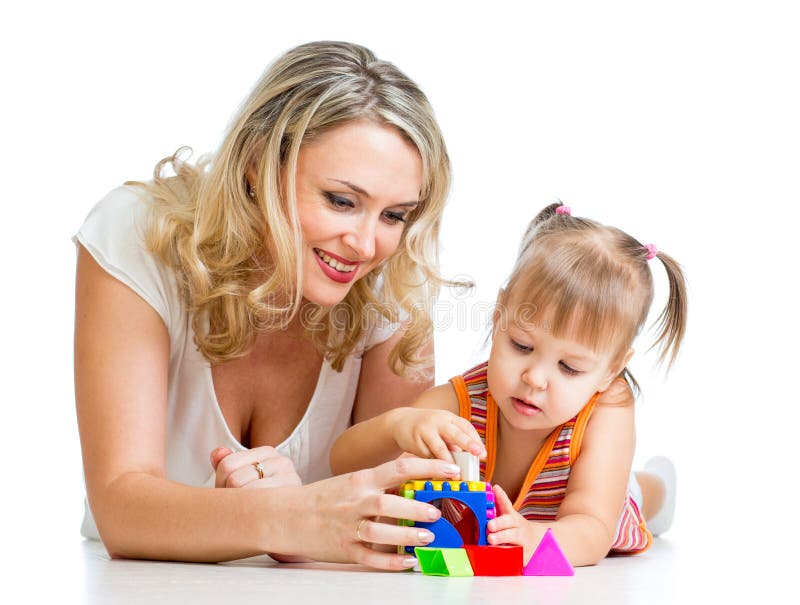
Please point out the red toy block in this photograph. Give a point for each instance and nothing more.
(497, 560)
(548, 559)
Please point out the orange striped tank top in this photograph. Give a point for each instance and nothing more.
(548, 474)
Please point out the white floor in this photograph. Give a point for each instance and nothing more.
(670, 572)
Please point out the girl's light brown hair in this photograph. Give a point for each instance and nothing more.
(237, 259)
(593, 282)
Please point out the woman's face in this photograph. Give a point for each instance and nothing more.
(356, 185)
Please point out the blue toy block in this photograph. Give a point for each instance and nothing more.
(473, 495)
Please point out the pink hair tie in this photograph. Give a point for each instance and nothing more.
(652, 251)
(564, 210)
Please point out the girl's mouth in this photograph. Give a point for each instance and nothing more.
(525, 408)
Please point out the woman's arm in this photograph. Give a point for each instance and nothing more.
(380, 389)
(587, 518)
(121, 361)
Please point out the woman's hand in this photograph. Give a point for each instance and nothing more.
(334, 520)
(239, 469)
(510, 527)
(434, 433)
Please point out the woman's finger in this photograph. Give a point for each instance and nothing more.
(394, 473)
(218, 454)
(398, 507)
(276, 471)
(238, 469)
(386, 533)
(278, 480)
(380, 560)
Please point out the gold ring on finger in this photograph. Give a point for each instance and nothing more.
(358, 530)
(259, 469)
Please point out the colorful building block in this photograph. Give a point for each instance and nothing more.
(451, 562)
(495, 560)
(475, 495)
(548, 559)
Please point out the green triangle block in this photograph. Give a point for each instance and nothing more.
(451, 562)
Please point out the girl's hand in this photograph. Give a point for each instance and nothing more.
(238, 469)
(434, 433)
(510, 527)
(335, 519)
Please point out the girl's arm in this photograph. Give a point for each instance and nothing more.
(587, 518)
(428, 428)
(121, 361)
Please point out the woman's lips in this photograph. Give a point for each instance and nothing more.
(337, 268)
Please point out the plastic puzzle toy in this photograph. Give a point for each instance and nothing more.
(495, 560)
(476, 501)
(548, 559)
(451, 562)
(460, 547)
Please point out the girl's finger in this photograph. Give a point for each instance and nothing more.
(478, 448)
(507, 536)
(456, 437)
(438, 447)
(501, 523)
(502, 501)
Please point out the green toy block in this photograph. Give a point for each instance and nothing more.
(452, 562)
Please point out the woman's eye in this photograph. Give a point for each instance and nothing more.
(569, 370)
(394, 217)
(340, 203)
(521, 347)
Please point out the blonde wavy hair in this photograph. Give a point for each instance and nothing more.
(237, 256)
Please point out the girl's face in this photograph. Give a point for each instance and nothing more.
(540, 381)
(356, 185)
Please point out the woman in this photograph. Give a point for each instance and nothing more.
(258, 302)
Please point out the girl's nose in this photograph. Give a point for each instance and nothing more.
(535, 378)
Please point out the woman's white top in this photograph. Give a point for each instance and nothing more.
(113, 234)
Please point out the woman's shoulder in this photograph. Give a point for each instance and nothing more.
(114, 233)
(121, 215)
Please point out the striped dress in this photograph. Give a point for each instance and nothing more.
(549, 472)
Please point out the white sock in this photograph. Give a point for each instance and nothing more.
(665, 470)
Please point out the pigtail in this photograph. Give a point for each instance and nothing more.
(671, 321)
(545, 214)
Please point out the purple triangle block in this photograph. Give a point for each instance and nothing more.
(548, 559)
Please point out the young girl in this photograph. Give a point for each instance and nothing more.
(550, 413)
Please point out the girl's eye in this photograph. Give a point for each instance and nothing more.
(568, 369)
(394, 217)
(340, 203)
(521, 347)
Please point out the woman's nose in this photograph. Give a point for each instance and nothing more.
(361, 239)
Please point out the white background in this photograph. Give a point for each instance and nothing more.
(676, 121)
